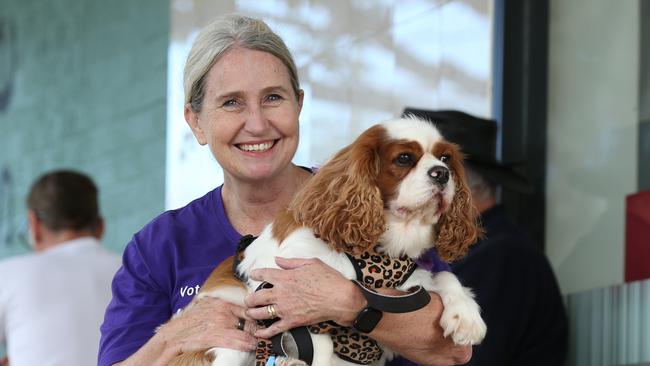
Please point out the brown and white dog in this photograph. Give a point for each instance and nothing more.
(400, 184)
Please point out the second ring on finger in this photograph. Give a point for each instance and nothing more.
(241, 324)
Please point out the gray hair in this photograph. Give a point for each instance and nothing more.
(222, 35)
(479, 185)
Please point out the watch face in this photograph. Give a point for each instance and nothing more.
(367, 320)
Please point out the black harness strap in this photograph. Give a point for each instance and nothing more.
(414, 300)
(303, 342)
(300, 336)
(357, 268)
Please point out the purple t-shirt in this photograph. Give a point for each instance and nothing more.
(163, 267)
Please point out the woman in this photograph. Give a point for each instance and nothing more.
(242, 100)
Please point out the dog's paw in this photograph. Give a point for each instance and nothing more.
(461, 319)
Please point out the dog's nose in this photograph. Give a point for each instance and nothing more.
(439, 174)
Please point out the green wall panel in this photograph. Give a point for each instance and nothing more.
(83, 86)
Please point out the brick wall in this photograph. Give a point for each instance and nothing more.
(83, 86)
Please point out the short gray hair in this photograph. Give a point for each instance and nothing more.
(479, 185)
(226, 33)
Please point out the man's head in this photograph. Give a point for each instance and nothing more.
(484, 191)
(477, 138)
(62, 205)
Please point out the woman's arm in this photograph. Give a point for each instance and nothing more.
(152, 353)
(140, 305)
(307, 291)
(418, 336)
(209, 322)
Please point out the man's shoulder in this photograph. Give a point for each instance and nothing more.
(17, 262)
(109, 257)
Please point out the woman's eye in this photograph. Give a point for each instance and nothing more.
(404, 160)
(274, 98)
(230, 103)
(445, 158)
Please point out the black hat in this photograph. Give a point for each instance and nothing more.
(477, 138)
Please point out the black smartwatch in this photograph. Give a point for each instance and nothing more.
(369, 317)
(367, 320)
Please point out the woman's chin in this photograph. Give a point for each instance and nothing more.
(259, 171)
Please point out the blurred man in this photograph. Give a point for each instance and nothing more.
(52, 302)
(513, 281)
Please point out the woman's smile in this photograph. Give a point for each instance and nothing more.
(257, 147)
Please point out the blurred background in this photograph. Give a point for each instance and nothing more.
(96, 86)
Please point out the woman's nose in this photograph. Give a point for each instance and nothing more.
(256, 121)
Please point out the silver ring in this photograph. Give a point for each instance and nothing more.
(241, 323)
(271, 310)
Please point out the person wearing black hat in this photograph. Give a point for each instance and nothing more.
(513, 281)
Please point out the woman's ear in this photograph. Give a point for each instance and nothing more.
(301, 98)
(192, 119)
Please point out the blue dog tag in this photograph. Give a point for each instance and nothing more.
(271, 361)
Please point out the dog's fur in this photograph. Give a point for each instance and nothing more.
(380, 189)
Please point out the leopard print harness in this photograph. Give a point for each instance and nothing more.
(374, 270)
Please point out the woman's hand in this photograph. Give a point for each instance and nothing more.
(305, 291)
(207, 323)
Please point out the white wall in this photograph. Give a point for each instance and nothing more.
(592, 138)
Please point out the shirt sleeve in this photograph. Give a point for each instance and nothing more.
(138, 306)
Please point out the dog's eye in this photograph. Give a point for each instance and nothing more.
(404, 160)
(445, 158)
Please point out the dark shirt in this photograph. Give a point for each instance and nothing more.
(519, 297)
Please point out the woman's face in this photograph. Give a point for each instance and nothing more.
(249, 116)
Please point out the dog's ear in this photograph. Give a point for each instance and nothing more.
(459, 227)
(342, 202)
